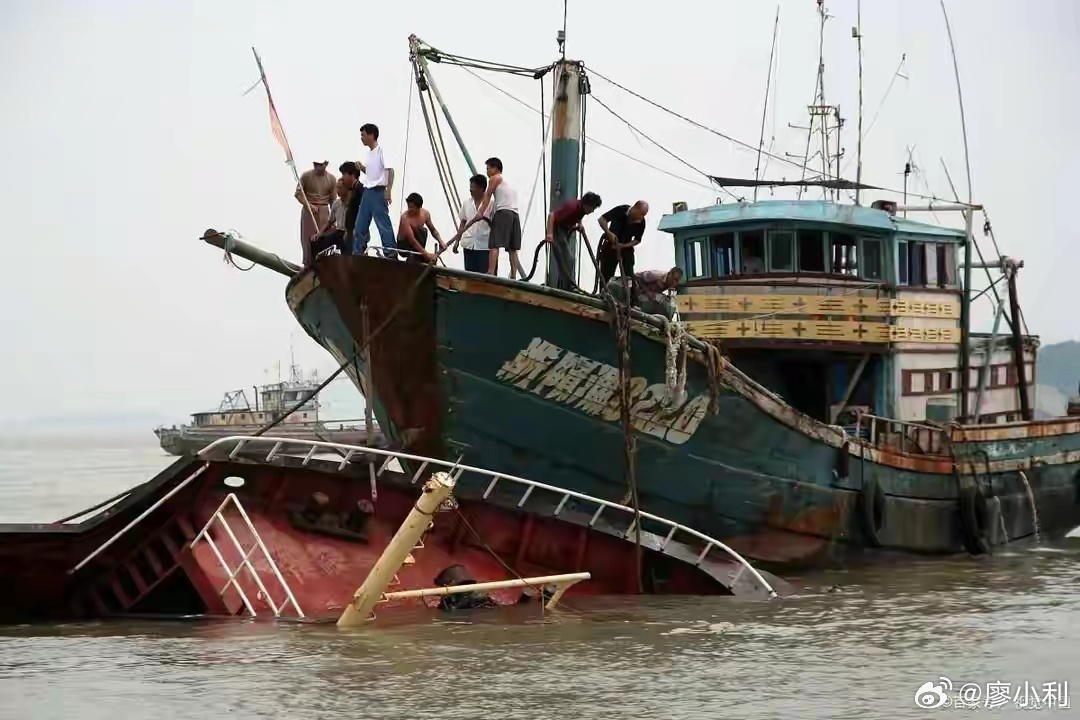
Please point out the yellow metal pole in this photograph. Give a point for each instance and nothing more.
(358, 612)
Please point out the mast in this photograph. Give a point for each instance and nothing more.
(857, 32)
(566, 132)
(819, 117)
(1011, 267)
(765, 108)
(965, 298)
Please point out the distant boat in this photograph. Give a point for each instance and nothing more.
(236, 416)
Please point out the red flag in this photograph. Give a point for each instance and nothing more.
(279, 133)
(275, 121)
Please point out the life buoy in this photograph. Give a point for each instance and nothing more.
(975, 519)
(872, 510)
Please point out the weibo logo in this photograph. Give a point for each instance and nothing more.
(931, 695)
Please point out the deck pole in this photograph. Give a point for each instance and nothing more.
(359, 611)
(566, 131)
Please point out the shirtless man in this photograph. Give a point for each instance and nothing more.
(413, 231)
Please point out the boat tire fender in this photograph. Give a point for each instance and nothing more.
(843, 462)
(872, 501)
(975, 517)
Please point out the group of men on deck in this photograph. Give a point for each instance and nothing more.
(337, 213)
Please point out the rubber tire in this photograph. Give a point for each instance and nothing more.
(872, 510)
(974, 518)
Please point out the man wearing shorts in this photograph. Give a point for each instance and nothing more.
(505, 223)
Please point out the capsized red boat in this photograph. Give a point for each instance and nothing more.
(271, 527)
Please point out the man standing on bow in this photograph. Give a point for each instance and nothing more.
(505, 232)
(623, 227)
(315, 192)
(563, 221)
(474, 241)
(350, 178)
(375, 203)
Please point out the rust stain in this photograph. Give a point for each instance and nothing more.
(404, 370)
(299, 289)
(1017, 431)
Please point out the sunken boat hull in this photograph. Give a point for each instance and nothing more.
(312, 527)
(522, 379)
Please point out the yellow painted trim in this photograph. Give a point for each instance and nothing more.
(832, 331)
(849, 305)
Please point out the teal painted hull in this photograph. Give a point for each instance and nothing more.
(520, 386)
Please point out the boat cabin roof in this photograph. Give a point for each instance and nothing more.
(810, 212)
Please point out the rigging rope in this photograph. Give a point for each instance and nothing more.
(654, 142)
(439, 160)
(735, 141)
(408, 129)
(230, 238)
(593, 140)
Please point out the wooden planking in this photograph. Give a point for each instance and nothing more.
(850, 305)
(832, 331)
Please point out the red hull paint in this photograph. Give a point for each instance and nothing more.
(152, 568)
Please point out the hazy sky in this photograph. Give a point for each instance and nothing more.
(125, 134)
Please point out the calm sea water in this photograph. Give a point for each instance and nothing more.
(851, 645)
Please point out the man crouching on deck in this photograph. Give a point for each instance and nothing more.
(413, 231)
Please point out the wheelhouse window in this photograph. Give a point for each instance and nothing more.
(902, 262)
(724, 254)
(871, 259)
(946, 265)
(753, 252)
(781, 251)
(811, 251)
(926, 264)
(696, 256)
(844, 255)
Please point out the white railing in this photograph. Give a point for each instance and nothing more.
(142, 516)
(245, 560)
(900, 435)
(561, 582)
(530, 486)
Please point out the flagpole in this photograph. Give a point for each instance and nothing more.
(279, 134)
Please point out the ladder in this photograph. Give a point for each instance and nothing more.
(233, 572)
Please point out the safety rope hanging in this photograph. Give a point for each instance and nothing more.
(675, 365)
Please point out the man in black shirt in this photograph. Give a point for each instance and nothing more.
(350, 175)
(623, 227)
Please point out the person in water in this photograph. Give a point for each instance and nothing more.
(413, 230)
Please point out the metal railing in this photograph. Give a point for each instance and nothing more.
(910, 437)
(239, 443)
(245, 560)
(142, 516)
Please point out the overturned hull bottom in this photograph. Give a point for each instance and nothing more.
(245, 538)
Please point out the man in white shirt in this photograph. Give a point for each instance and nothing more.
(375, 204)
(474, 241)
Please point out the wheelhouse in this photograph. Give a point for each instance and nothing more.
(835, 307)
